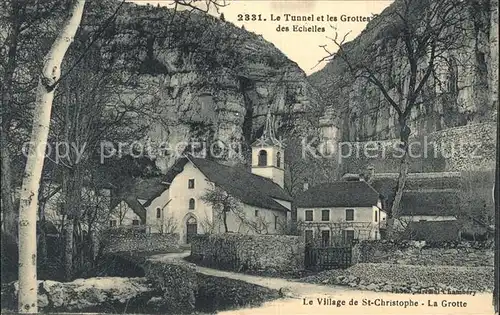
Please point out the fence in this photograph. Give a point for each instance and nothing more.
(326, 258)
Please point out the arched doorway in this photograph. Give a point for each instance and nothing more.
(191, 228)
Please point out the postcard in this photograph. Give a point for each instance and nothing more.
(249, 156)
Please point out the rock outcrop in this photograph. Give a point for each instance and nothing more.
(91, 294)
(208, 79)
(465, 93)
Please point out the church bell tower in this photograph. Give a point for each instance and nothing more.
(268, 154)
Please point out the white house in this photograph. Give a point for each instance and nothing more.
(178, 207)
(340, 212)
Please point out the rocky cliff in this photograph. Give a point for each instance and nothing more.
(463, 93)
(210, 80)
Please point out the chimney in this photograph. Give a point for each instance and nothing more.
(306, 186)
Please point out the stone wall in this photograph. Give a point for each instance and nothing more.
(125, 239)
(470, 254)
(268, 253)
(468, 148)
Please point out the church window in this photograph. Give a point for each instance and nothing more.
(158, 213)
(262, 158)
(278, 159)
(191, 204)
(191, 183)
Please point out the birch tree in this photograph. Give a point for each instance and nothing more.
(28, 289)
(19, 55)
(49, 79)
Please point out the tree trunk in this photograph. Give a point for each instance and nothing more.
(71, 192)
(42, 248)
(401, 183)
(224, 218)
(68, 250)
(28, 289)
(496, 203)
(42, 238)
(9, 214)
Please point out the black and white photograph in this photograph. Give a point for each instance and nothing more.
(243, 157)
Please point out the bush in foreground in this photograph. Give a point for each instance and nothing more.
(216, 293)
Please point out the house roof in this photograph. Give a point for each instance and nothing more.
(133, 203)
(436, 231)
(149, 189)
(433, 202)
(386, 182)
(143, 189)
(249, 188)
(339, 194)
(136, 206)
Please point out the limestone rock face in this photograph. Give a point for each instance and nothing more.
(462, 93)
(208, 80)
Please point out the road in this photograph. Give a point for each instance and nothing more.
(304, 298)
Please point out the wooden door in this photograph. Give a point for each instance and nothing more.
(191, 229)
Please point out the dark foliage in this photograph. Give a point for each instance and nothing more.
(216, 294)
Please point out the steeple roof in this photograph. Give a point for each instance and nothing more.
(268, 137)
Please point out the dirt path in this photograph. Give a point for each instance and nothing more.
(290, 288)
(300, 294)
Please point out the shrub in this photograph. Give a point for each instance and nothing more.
(177, 282)
(215, 293)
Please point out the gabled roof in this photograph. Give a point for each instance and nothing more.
(134, 204)
(249, 188)
(433, 231)
(339, 194)
(149, 189)
(432, 202)
(143, 189)
(386, 182)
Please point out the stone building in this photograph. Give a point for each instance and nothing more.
(340, 212)
(177, 203)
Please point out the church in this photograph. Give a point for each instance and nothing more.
(187, 200)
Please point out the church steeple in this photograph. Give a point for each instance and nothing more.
(268, 136)
(267, 153)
